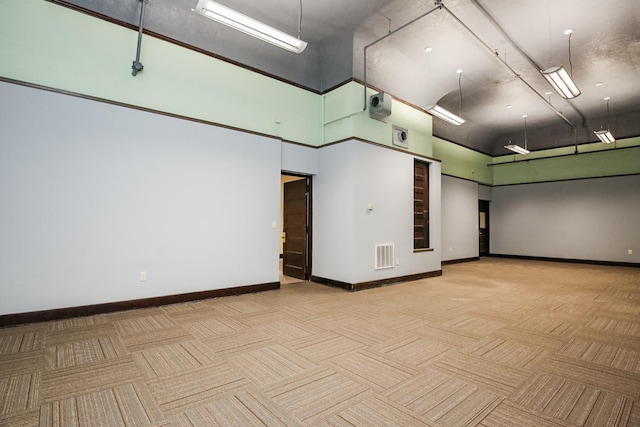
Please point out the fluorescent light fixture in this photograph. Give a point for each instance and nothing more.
(445, 115)
(250, 26)
(561, 82)
(517, 149)
(604, 135)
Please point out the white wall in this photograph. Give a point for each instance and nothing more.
(351, 176)
(484, 192)
(91, 194)
(459, 219)
(299, 159)
(590, 219)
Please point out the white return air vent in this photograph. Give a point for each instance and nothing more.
(384, 256)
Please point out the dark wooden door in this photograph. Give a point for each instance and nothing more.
(483, 227)
(296, 225)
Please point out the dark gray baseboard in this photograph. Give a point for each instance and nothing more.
(571, 260)
(461, 260)
(375, 283)
(91, 310)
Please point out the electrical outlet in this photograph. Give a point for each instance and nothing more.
(143, 276)
(630, 252)
(397, 261)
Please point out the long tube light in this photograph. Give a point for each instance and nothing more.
(247, 25)
(445, 115)
(561, 82)
(517, 149)
(604, 135)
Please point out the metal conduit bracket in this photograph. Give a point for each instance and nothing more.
(137, 66)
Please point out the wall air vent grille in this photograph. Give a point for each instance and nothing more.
(384, 256)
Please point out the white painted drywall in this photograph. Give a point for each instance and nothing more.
(91, 194)
(484, 192)
(590, 219)
(299, 159)
(459, 219)
(353, 175)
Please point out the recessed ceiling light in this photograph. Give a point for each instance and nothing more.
(428, 49)
(599, 84)
(548, 93)
(509, 106)
(568, 31)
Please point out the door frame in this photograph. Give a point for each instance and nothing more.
(484, 206)
(309, 215)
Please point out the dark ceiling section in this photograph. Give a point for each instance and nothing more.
(499, 44)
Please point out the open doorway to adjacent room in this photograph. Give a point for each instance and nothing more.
(295, 228)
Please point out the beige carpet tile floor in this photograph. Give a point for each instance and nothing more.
(443, 399)
(574, 402)
(412, 350)
(316, 395)
(207, 327)
(244, 408)
(509, 353)
(325, 346)
(495, 377)
(491, 343)
(188, 389)
(20, 392)
(385, 413)
(20, 342)
(69, 382)
(268, 365)
(128, 404)
(172, 358)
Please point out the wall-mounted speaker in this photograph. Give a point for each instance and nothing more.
(380, 106)
(400, 137)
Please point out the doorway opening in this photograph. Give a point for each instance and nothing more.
(483, 227)
(295, 231)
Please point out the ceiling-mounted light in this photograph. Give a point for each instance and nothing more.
(561, 82)
(605, 134)
(250, 26)
(559, 79)
(516, 148)
(445, 115)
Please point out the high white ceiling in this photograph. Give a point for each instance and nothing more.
(499, 44)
